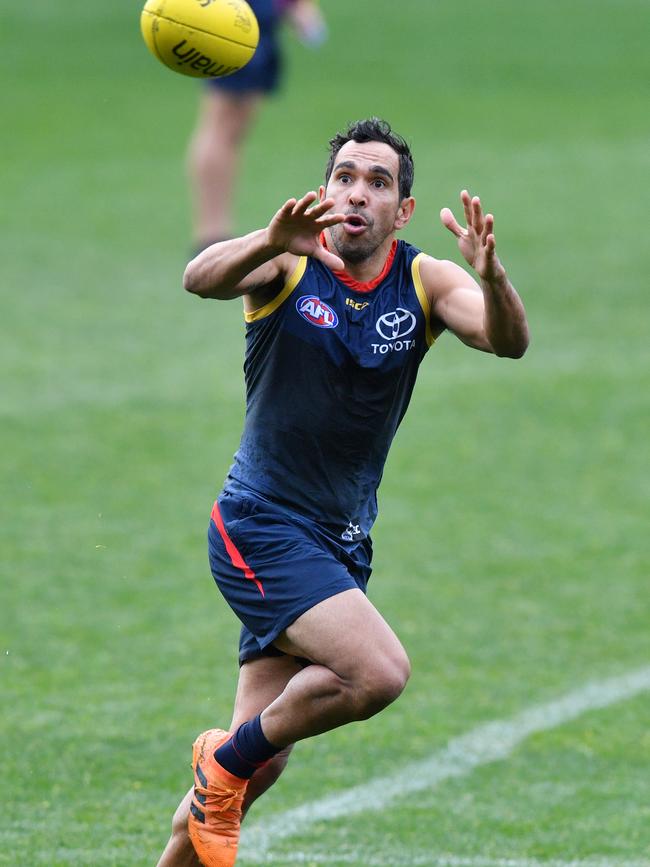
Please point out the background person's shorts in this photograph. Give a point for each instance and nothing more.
(272, 565)
(262, 72)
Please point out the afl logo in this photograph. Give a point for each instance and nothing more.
(316, 312)
(397, 323)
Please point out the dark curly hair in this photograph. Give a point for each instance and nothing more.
(375, 129)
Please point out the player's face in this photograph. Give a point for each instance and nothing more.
(365, 186)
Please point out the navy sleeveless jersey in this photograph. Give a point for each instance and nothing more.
(329, 375)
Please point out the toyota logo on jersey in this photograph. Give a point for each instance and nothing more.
(397, 323)
(316, 312)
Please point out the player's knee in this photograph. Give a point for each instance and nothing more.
(381, 686)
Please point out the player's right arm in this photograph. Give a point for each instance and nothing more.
(254, 263)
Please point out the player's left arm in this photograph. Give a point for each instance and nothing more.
(489, 316)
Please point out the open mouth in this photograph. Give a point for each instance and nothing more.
(355, 223)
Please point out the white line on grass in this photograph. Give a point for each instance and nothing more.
(490, 742)
(424, 859)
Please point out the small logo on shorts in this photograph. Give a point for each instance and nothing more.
(316, 312)
(352, 532)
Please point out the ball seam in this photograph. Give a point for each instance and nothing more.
(200, 29)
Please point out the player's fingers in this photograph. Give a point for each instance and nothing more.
(329, 259)
(329, 220)
(490, 244)
(321, 208)
(488, 228)
(302, 204)
(287, 208)
(451, 223)
(477, 215)
(466, 199)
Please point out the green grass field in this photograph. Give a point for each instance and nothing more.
(512, 549)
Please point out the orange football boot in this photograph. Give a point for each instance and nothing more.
(215, 811)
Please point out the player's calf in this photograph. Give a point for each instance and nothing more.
(264, 778)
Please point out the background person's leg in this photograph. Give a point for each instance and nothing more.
(213, 159)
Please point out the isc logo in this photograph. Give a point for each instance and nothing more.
(316, 312)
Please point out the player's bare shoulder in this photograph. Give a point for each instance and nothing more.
(441, 276)
(440, 279)
(271, 282)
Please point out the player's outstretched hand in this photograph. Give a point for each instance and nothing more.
(476, 242)
(297, 226)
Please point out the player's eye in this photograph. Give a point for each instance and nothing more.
(345, 179)
(378, 184)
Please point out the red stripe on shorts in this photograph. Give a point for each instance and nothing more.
(236, 558)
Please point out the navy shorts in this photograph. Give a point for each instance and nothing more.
(262, 72)
(272, 564)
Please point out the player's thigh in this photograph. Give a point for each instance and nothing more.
(261, 681)
(349, 636)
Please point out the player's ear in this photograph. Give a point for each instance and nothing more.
(321, 193)
(404, 212)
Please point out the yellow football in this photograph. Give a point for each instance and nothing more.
(201, 38)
